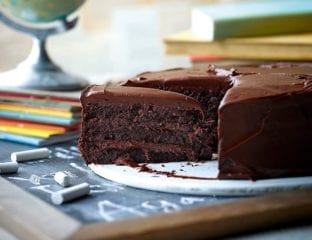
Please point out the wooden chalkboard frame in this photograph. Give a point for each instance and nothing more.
(28, 217)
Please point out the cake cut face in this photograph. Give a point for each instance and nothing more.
(124, 124)
(206, 85)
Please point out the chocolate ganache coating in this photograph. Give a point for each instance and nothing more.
(127, 95)
(180, 79)
(265, 123)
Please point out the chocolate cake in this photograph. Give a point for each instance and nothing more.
(258, 118)
(126, 124)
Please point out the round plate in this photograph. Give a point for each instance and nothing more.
(161, 182)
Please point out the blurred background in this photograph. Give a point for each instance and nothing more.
(114, 39)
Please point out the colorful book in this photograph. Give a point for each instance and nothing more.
(40, 118)
(251, 18)
(38, 97)
(40, 125)
(21, 108)
(296, 47)
(36, 132)
(36, 141)
(40, 103)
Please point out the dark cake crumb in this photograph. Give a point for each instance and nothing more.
(132, 127)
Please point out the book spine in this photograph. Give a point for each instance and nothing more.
(251, 18)
(42, 133)
(262, 26)
(39, 118)
(20, 139)
(32, 110)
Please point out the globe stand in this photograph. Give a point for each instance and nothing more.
(38, 70)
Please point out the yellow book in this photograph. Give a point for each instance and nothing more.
(295, 47)
(35, 132)
(23, 124)
(38, 111)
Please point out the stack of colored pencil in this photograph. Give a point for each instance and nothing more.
(38, 120)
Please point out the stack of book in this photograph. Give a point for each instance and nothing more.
(277, 30)
(38, 120)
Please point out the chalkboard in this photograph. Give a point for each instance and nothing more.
(114, 211)
(108, 201)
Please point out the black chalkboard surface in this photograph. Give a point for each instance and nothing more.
(114, 211)
(108, 201)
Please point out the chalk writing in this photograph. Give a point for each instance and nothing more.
(34, 179)
(18, 178)
(148, 205)
(63, 155)
(34, 162)
(97, 189)
(169, 206)
(108, 209)
(74, 148)
(190, 200)
(105, 187)
(63, 150)
(43, 188)
(161, 206)
(75, 165)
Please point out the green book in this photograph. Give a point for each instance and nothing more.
(252, 18)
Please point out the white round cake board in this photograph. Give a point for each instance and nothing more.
(131, 176)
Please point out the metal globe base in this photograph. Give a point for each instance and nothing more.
(51, 80)
(38, 71)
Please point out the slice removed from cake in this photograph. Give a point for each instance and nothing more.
(207, 85)
(132, 124)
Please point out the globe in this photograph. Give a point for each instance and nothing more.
(40, 19)
(40, 11)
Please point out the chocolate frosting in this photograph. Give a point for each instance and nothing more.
(210, 78)
(248, 87)
(265, 123)
(128, 95)
(286, 68)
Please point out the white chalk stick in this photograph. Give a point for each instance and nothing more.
(8, 167)
(29, 155)
(71, 193)
(62, 178)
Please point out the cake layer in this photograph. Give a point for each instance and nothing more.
(106, 152)
(138, 113)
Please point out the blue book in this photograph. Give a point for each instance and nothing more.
(38, 142)
(252, 18)
(39, 118)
